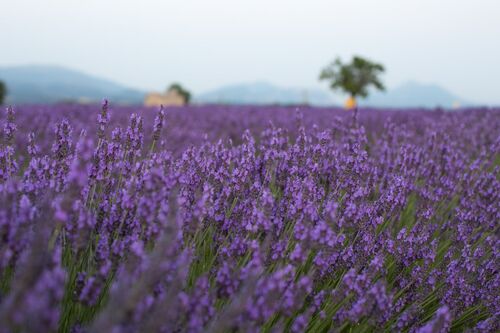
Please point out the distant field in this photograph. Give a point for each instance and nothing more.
(249, 219)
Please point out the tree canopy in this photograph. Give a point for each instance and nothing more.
(181, 91)
(354, 78)
(3, 92)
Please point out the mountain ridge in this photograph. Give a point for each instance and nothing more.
(51, 84)
(416, 94)
(262, 92)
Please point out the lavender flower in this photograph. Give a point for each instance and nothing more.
(249, 219)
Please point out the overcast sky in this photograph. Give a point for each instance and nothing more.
(205, 43)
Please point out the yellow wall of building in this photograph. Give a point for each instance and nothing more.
(170, 98)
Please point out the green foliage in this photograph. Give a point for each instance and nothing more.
(3, 92)
(181, 91)
(355, 77)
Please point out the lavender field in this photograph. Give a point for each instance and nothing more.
(249, 219)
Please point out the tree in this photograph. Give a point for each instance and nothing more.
(181, 91)
(3, 92)
(353, 78)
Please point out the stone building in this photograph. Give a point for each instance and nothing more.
(170, 98)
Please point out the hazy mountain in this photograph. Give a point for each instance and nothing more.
(50, 84)
(264, 93)
(411, 94)
(414, 94)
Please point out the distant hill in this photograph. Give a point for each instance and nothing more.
(51, 84)
(410, 94)
(264, 93)
(414, 94)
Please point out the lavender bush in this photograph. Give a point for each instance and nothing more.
(249, 219)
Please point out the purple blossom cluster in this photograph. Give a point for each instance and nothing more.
(249, 219)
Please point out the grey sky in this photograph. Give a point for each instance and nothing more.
(208, 43)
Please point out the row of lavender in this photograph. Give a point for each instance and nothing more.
(312, 220)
